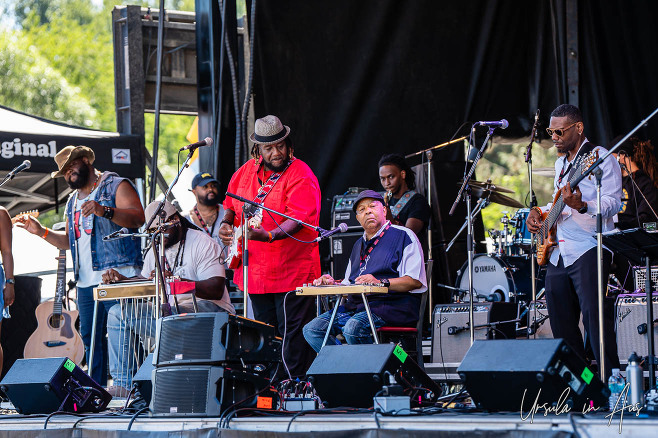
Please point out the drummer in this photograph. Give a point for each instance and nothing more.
(387, 254)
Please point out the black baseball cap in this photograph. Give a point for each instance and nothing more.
(203, 178)
(370, 194)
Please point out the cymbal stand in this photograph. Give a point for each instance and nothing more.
(465, 191)
(533, 241)
(482, 203)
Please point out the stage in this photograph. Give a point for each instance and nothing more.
(338, 425)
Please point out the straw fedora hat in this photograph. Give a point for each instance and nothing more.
(70, 153)
(269, 130)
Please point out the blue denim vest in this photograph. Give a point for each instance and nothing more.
(113, 253)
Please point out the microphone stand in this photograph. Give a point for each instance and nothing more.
(599, 251)
(428, 154)
(533, 203)
(465, 190)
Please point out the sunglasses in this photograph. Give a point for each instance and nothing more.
(559, 131)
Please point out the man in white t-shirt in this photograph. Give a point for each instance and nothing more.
(189, 254)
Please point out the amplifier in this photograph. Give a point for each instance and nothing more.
(205, 390)
(341, 248)
(544, 330)
(341, 209)
(631, 325)
(214, 338)
(450, 331)
(640, 275)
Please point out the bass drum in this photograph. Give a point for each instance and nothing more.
(495, 278)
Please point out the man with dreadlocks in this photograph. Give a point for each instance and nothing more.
(408, 208)
(281, 255)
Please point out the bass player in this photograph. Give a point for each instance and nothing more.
(571, 285)
(281, 257)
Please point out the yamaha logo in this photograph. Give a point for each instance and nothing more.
(485, 268)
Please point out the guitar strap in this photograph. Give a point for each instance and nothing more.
(584, 150)
(397, 208)
(266, 188)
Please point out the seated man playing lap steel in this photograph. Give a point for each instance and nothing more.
(387, 254)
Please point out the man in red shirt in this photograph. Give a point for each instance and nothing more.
(281, 255)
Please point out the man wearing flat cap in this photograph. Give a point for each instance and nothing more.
(281, 257)
(208, 211)
(386, 254)
(101, 203)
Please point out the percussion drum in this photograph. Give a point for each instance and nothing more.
(504, 278)
(522, 236)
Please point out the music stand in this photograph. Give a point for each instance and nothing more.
(640, 247)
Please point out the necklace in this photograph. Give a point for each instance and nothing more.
(203, 223)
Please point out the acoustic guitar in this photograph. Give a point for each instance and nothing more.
(56, 335)
(547, 234)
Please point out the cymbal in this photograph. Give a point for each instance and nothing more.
(488, 185)
(495, 197)
(544, 171)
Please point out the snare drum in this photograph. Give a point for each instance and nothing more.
(500, 278)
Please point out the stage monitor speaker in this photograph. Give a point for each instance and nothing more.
(143, 379)
(501, 375)
(631, 322)
(214, 338)
(450, 330)
(43, 386)
(207, 391)
(341, 248)
(351, 375)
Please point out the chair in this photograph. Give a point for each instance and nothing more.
(411, 338)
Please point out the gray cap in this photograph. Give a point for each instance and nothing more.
(371, 194)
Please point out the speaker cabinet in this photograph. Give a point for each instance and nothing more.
(450, 329)
(206, 390)
(43, 386)
(341, 248)
(214, 338)
(142, 379)
(351, 375)
(631, 324)
(497, 374)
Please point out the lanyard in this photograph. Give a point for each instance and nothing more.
(180, 252)
(365, 253)
(203, 223)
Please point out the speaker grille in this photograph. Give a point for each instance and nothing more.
(186, 339)
(181, 391)
(631, 314)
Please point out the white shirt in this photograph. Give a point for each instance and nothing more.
(575, 231)
(199, 261)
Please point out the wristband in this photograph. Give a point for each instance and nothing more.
(226, 221)
(108, 212)
(46, 233)
(271, 238)
(538, 210)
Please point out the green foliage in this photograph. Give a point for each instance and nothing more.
(505, 166)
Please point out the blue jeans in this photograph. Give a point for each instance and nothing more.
(86, 308)
(130, 325)
(355, 328)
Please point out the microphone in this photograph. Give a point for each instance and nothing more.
(115, 235)
(454, 330)
(502, 124)
(341, 228)
(164, 226)
(205, 142)
(496, 297)
(21, 167)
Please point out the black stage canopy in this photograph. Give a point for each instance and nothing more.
(23, 136)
